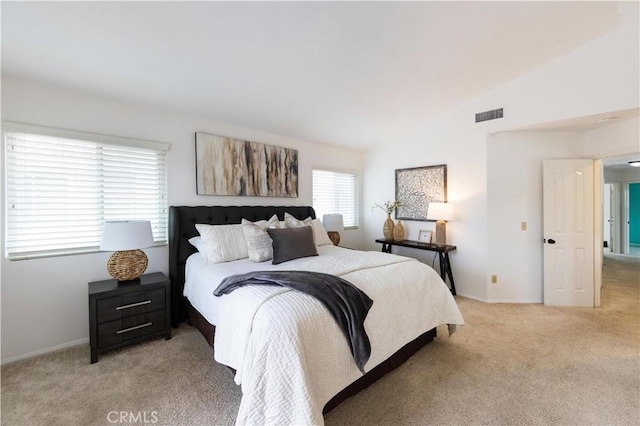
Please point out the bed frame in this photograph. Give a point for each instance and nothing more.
(182, 220)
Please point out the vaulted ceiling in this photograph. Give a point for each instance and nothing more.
(346, 73)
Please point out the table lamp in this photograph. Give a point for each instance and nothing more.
(440, 212)
(333, 224)
(126, 238)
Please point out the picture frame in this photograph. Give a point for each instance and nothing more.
(416, 187)
(424, 236)
(229, 166)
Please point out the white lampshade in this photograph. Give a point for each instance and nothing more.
(126, 235)
(333, 222)
(440, 211)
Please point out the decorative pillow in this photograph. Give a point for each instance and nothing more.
(276, 224)
(258, 241)
(319, 233)
(198, 243)
(292, 222)
(292, 243)
(224, 243)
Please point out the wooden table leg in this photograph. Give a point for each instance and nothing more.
(445, 270)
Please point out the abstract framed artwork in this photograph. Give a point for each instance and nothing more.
(228, 166)
(417, 187)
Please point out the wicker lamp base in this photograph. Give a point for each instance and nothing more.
(127, 265)
(334, 237)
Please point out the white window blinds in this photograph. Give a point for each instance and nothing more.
(336, 192)
(60, 191)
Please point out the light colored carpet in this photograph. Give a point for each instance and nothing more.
(511, 364)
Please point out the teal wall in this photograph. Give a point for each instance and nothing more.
(634, 213)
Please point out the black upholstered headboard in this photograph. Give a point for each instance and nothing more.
(182, 220)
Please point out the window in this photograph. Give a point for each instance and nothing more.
(336, 192)
(62, 186)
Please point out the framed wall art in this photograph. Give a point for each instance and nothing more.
(227, 166)
(417, 187)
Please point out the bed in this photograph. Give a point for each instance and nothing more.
(288, 355)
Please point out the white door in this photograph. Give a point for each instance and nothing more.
(568, 192)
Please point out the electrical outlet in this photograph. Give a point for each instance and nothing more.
(523, 226)
(494, 279)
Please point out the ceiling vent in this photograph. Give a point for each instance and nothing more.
(489, 115)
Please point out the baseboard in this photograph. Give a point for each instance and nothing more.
(50, 349)
(516, 301)
(480, 299)
(468, 296)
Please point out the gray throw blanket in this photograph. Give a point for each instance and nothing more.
(347, 304)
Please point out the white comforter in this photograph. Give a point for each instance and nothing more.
(290, 356)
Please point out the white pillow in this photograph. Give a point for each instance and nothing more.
(274, 223)
(320, 235)
(224, 243)
(259, 244)
(292, 222)
(198, 243)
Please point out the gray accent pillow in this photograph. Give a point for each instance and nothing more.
(292, 243)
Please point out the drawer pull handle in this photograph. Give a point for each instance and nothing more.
(126, 330)
(133, 305)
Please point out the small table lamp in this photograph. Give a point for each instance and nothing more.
(440, 212)
(126, 238)
(333, 224)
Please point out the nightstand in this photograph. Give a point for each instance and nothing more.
(124, 314)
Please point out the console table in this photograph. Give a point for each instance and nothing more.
(443, 255)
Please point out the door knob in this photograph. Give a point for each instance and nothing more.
(551, 241)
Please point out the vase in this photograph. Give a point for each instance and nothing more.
(398, 231)
(387, 229)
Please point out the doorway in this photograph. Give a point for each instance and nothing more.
(620, 217)
(621, 206)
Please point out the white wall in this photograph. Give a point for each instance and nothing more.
(626, 175)
(599, 77)
(514, 194)
(614, 140)
(44, 301)
(452, 145)
(514, 187)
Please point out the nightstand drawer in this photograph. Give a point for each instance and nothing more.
(131, 327)
(126, 305)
